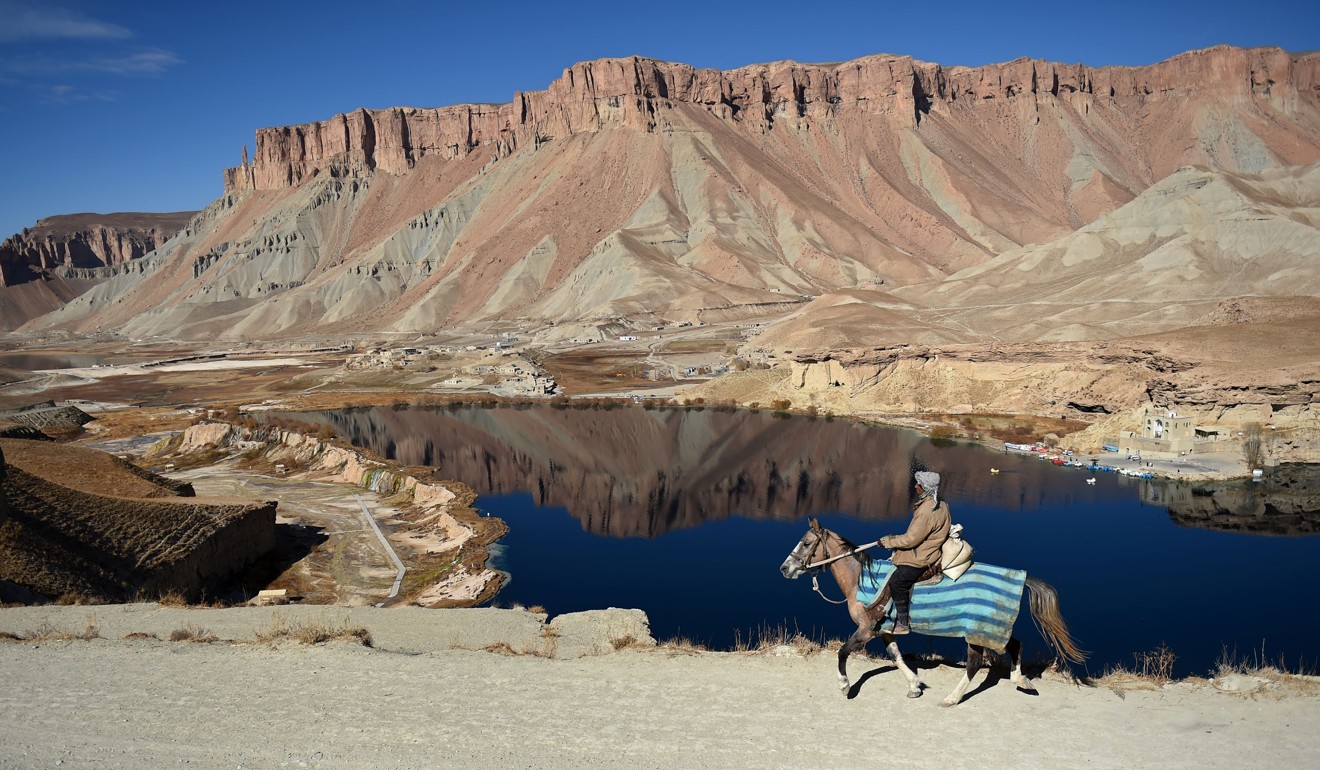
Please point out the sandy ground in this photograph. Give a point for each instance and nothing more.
(417, 701)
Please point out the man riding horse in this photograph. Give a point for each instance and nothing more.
(917, 550)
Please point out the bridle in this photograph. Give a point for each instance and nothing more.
(813, 567)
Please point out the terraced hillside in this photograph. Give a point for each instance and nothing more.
(92, 525)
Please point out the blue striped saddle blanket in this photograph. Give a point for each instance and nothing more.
(980, 606)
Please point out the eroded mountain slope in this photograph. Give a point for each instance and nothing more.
(645, 190)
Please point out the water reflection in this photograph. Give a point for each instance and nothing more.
(634, 492)
(1286, 502)
(632, 471)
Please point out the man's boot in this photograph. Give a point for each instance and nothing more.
(901, 625)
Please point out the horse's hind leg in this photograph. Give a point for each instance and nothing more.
(914, 682)
(1014, 649)
(976, 659)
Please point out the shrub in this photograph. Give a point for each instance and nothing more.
(192, 634)
(1253, 445)
(1156, 665)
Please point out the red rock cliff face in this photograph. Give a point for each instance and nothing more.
(636, 92)
(84, 240)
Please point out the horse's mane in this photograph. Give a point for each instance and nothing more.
(862, 556)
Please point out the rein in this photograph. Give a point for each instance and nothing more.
(814, 567)
(823, 562)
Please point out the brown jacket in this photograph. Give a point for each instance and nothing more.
(920, 545)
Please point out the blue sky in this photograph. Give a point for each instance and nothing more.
(137, 106)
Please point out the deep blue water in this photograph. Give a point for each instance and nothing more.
(688, 516)
(1129, 579)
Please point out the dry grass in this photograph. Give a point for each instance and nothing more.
(1258, 663)
(176, 600)
(173, 599)
(136, 635)
(1258, 666)
(776, 638)
(77, 598)
(1154, 669)
(313, 632)
(501, 648)
(192, 634)
(680, 644)
(48, 633)
(551, 636)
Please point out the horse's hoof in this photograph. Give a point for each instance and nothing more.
(1027, 690)
(914, 693)
(948, 703)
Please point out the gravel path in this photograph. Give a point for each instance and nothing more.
(113, 703)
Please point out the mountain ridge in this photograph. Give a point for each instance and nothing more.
(766, 187)
(288, 154)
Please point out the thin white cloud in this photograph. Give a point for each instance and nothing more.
(21, 22)
(149, 62)
(68, 94)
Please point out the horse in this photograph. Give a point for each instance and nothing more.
(847, 566)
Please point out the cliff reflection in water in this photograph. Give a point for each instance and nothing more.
(1285, 502)
(631, 471)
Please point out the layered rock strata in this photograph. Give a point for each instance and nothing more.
(636, 91)
(84, 241)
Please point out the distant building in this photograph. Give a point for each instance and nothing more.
(1163, 431)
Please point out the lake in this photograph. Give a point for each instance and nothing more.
(687, 514)
(33, 362)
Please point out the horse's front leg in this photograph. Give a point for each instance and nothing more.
(863, 634)
(857, 641)
(914, 682)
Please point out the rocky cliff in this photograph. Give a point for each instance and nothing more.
(84, 241)
(636, 92)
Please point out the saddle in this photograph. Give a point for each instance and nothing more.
(955, 559)
(932, 575)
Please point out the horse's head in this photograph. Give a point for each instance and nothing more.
(808, 548)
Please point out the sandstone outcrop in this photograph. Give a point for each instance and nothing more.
(636, 91)
(84, 241)
(53, 262)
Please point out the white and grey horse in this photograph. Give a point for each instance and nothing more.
(820, 544)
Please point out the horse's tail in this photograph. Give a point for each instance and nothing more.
(1045, 613)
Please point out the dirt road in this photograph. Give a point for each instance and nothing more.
(110, 703)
